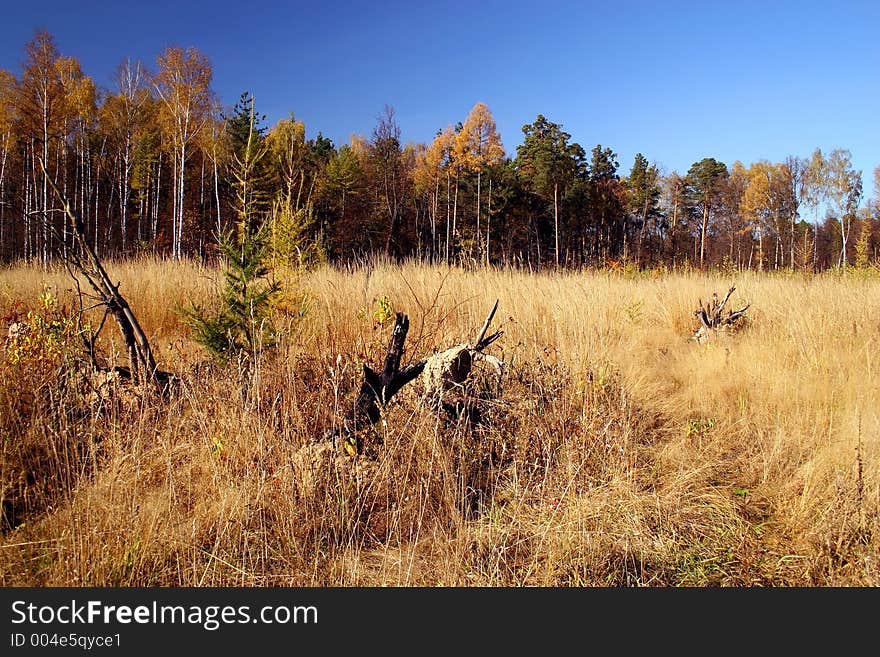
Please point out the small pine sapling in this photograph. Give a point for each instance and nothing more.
(242, 321)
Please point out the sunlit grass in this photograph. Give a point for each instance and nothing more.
(621, 451)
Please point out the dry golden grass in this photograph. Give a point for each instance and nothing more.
(619, 453)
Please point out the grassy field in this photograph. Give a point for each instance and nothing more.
(617, 453)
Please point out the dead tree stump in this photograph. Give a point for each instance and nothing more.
(450, 368)
(442, 371)
(377, 388)
(713, 320)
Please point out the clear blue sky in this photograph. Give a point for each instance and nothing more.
(678, 81)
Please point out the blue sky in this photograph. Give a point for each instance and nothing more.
(677, 81)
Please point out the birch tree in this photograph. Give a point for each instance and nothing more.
(39, 101)
(78, 112)
(797, 180)
(7, 126)
(183, 85)
(844, 189)
(756, 203)
(122, 117)
(815, 192)
(432, 169)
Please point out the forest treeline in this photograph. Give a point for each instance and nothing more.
(156, 164)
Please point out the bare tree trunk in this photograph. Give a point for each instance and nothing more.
(108, 231)
(447, 218)
(488, 223)
(179, 251)
(672, 231)
(844, 236)
(434, 205)
(202, 186)
(83, 157)
(156, 200)
(479, 236)
(703, 234)
(760, 249)
(175, 200)
(537, 245)
(125, 192)
(28, 194)
(45, 200)
(642, 233)
(556, 221)
(58, 150)
(217, 194)
(98, 195)
(3, 196)
(455, 210)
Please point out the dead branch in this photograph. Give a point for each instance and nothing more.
(142, 365)
(450, 368)
(482, 342)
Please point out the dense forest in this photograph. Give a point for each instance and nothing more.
(156, 164)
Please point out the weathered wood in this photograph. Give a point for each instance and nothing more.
(482, 341)
(712, 317)
(142, 365)
(441, 371)
(377, 388)
(452, 367)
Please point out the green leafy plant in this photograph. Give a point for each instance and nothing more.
(44, 335)
(382, 310)
(699, 426)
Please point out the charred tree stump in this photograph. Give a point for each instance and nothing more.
(378, 388)
(712, 317)
(441, 372)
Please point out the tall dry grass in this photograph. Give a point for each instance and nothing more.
(619, 452)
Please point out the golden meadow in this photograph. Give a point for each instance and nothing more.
(618, 453)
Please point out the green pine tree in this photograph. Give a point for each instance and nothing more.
(252, 176)
(241, 323)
